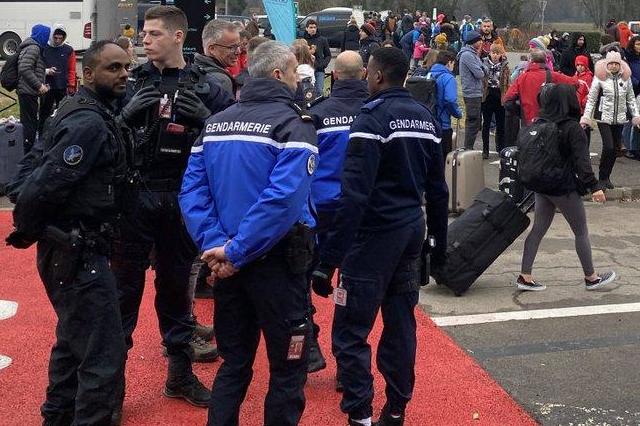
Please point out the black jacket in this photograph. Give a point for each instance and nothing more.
(568, 59)
(393, 160)
(323, 53)
(367, 46)
(575, 150)
(351, 38)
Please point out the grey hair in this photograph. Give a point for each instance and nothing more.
(538, 56)
(269, 56)
(213, 31)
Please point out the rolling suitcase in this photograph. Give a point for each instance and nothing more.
(478, 237)
(508, 180)
(11, 151)
(464, 173)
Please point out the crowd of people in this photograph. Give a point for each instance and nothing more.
(240, 168)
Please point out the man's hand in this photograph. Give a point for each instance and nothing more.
(139, 104)
(189, 105)
(51, 71)
(43, 89)
(218, 262)
(321, 280)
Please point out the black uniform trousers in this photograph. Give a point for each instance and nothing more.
(89, 350)
(29, 119)
(380, 272)
(266, 297)
(323, 226)
(156, 222)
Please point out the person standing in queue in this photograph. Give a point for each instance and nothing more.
(394, 158)
(69, 205)
(333, 117)
(168, 102)
(246, 201)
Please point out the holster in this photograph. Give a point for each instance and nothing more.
(298, 248)
(67, 259)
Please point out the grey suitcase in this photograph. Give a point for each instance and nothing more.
(464, 173)
(11, 151)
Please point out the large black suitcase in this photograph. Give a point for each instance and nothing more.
(480, 235)
(11, 151)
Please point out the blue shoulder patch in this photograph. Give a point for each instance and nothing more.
(373, 104)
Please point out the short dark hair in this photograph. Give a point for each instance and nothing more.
(123, 42)
(172, 17)
(245, 34)
(445, 56)
(311, 22)
(254, 43)
(393, 64)
(92, 54)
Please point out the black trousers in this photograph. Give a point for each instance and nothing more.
(48, 104)
(611, 139)
(473, 122)
(156, 222)
(89, 351)
(380, 272)
(29, 119)
(446, 142)
(492, 106)
(262, 297)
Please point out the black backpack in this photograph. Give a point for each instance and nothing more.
(9, 74)
(424, 90)
(542, 167)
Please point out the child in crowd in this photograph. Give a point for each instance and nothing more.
(419, 50)
(305, 71)
(585, 78)
(495, 87)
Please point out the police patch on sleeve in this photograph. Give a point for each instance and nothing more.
(311, 164)
(72, 155)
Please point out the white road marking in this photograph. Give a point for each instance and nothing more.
(535, 314)
(7, 309)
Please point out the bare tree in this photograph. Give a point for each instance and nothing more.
(514, 13)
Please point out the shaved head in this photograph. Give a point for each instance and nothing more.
(348, 66)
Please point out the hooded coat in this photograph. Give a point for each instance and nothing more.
(31, 65)
(568, 59)
(615, 95)
(633, 59)
(63, 58)
(351, 38)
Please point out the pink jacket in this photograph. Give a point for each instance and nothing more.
(419, 50)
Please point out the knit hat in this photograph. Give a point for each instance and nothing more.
(613, 58)
(537, 43)
(368, 28)
(582, 60)
(472, 37)
(441, 38)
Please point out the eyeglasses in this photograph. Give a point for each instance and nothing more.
(232, 47)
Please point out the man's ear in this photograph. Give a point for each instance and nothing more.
(179, 36)
(88, 75)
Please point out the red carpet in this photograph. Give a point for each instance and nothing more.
(451, 389)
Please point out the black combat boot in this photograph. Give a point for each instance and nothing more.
(118, 396)
(389, 418)
(182, 383)
(316, 359)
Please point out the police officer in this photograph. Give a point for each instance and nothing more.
(68, 205)
(332, 118)
(168, 102)
(393, 160)
(246, 202)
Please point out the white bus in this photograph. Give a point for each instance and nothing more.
(17, 18)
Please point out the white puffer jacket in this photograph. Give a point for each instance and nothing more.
(616, 98)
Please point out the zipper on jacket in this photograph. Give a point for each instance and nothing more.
(616, 95)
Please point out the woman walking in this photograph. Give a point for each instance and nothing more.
(559, 104)
(610, 99)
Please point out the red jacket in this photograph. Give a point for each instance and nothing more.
(585, 79)
(527, 86)
(239, 66)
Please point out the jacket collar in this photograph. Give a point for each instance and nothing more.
(266, 89)
(349, 89)
(208, 61)
(88, 93)
(392, 92)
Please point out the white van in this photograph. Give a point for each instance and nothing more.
(17, 18)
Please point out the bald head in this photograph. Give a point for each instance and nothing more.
(348, 66)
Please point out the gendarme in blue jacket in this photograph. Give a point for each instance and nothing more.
(394, 158)
(447, 95)
(249, 175)
(332, 117)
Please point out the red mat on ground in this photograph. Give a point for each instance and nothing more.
(451, 389)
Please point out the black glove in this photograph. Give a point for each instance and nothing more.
(19, 240)
(140, 103)
(321, 280)
(189, 105)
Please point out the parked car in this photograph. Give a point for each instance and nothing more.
(331, 23)
(231, 18)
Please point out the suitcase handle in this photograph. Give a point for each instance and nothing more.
(528, 202)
